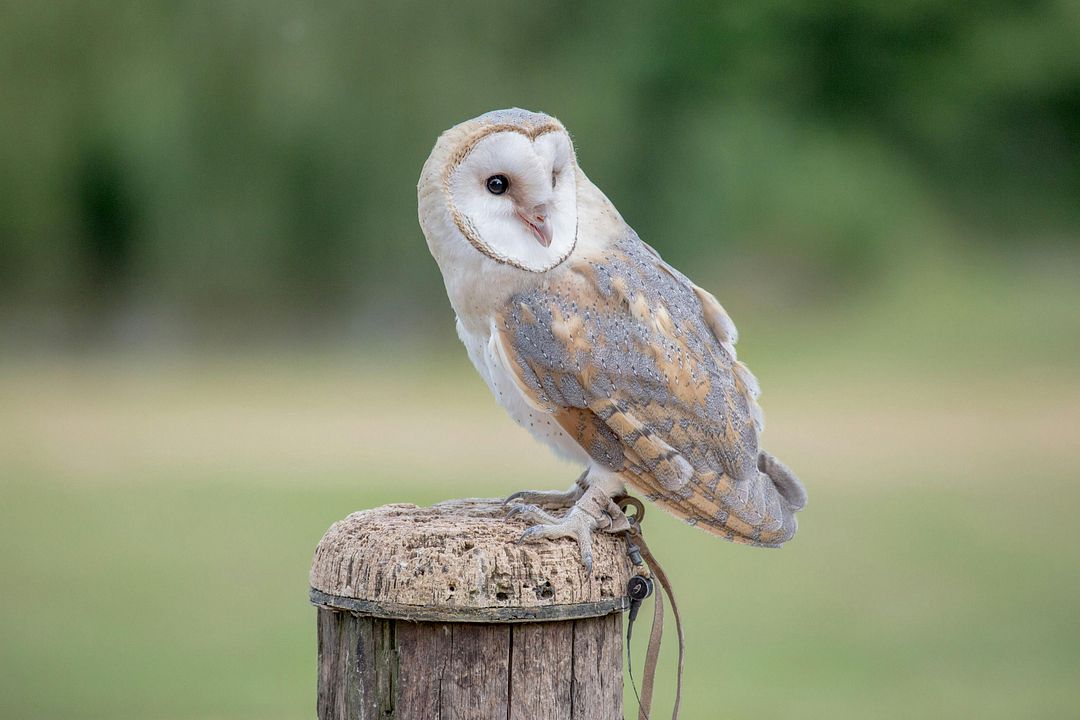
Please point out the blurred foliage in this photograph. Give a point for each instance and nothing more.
(251, 165)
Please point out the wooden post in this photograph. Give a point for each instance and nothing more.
(438, 613)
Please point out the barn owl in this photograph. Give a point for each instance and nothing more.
(593, 343)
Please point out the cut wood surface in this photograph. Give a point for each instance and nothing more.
(460, 561)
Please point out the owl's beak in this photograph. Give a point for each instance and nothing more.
(536, 219)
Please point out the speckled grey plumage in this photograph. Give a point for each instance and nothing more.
(620, 362)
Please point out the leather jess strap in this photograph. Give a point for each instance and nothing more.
(652, 653)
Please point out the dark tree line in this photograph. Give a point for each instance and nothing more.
(217, 160)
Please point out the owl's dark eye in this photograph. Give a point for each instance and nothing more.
(498, 184)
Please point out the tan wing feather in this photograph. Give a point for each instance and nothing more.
(626, 355)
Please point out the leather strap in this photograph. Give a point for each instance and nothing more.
(652, 653)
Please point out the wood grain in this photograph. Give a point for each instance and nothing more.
(373, 668)
(597, 689)
(541, 670)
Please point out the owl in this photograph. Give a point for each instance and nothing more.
(593, 343)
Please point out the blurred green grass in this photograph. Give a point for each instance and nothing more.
(158, 513)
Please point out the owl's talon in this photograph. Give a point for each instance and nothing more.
(584, 541)
(532, 514)
(576, 525)
(529, 534)
(556, 499)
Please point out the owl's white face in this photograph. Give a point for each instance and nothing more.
(513, 196)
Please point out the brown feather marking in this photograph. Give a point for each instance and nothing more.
(716, 318)
(669, 467)
(586, 272)
(587, 376)
(639, 308)
(570, 330)
(593, 435)
(622, 292)
(664, 324)
(527, 314)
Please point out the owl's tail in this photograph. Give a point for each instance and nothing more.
(785, 481)
(763, 506)
(758, 509)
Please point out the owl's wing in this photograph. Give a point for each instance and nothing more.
(638, 365)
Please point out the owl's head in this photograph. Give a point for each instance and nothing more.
(505, 184)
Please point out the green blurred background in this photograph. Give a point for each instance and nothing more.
(220, 331)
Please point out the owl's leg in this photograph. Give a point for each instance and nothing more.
(551, 498)
(594, 510)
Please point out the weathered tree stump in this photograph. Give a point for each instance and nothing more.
(438, 613)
